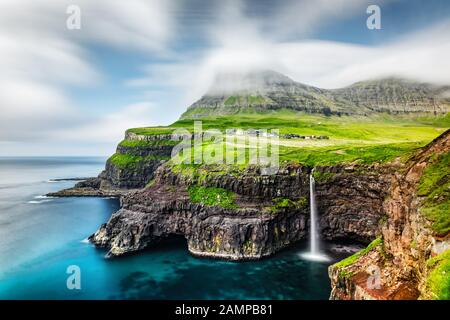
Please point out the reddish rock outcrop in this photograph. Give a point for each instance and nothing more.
(407, 241)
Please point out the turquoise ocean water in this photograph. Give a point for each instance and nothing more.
(40, 237)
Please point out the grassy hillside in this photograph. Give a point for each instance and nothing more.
(352, 139)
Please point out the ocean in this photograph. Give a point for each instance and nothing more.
(41, 237)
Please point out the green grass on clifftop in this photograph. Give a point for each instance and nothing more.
(434, 186)
(212, 196)
(352, 139)
(129, 161)
(349, 153)
(353, 258)
(144, 143)
(149, 131)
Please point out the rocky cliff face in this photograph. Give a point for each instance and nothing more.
(398, 266)
(256, 227)
(132, 167)
(135, 161)
(247, 232)
(129, 177)
(395, 96)
(350, 200)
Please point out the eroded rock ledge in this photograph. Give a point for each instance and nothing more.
(149, 216)
(252, 230)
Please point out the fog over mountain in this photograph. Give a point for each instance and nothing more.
(269, 90)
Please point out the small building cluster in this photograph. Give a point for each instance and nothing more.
(296, 136)
(266, 133)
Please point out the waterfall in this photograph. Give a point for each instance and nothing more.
(314, 253)
(314, 241)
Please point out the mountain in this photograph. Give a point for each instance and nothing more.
(394, 95)
(268, 90)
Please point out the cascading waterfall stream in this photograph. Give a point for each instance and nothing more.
(314, 253)
(314, 241)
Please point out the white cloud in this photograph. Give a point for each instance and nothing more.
(421, 56)
(111, 127)
(142, 24)
(28, 107)
(239, 45)
(41, 60)
(302, 18)
(89, 136)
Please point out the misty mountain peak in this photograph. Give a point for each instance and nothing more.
(263, 91)
(247, 82)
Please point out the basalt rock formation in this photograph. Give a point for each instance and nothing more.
(160, 211)
(350, 200)
(255, 227)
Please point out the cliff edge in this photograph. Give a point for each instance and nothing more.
(411, 258)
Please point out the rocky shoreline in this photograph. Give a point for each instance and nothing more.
(252, 230)
(89, 187)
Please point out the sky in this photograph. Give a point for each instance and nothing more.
(143, 62)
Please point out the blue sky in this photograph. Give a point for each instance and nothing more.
(136, 63)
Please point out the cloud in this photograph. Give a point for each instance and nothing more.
(239, 44)
(419, 56)
(28, 107)
(111, 127)
(300, 18)
(41, 60)
(132, 24)
(141, 24)
(34, 73)
(97, 135)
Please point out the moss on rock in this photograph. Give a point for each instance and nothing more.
(281, 203)
(438, 281)
(434, 187)
(353, 258)
(212, 196)
(130, 161)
